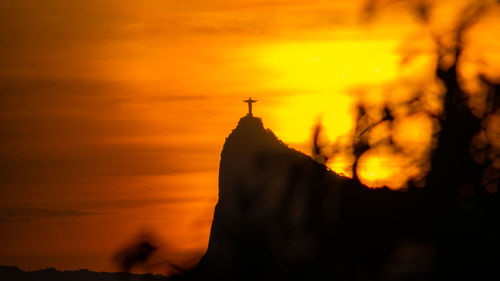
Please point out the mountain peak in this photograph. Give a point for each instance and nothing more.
(250, 120)
(283, 216)
(250, 134)
(264, 188)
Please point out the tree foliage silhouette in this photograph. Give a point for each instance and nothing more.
(464, 154)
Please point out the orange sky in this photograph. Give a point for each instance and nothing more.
(113, 113)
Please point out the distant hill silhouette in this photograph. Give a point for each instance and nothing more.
(10, 273)
(283, 216)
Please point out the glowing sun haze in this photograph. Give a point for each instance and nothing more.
(114, 113)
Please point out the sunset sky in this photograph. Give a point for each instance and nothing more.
(113, 113)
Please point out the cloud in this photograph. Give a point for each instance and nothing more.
(23, 215)
(56, 128)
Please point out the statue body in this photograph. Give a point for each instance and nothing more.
(250, 101)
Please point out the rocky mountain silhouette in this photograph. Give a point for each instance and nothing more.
(274, 203)
(10, 273)
(283, 216)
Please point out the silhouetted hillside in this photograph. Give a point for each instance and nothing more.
(273, 205)
(10, 273)
(281, 215)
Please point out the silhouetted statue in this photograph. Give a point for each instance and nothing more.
(250, 101)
